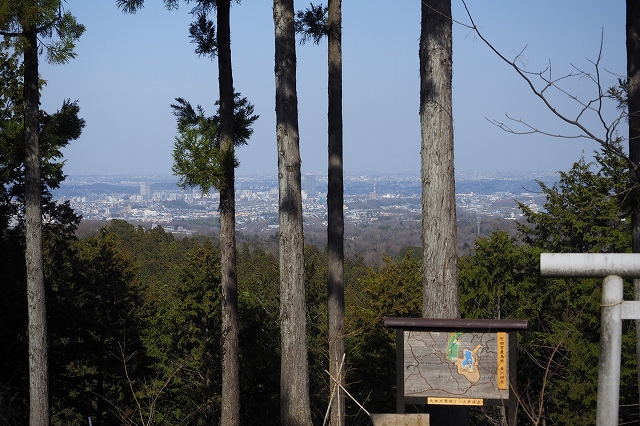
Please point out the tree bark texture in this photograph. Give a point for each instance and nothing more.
(335, 204)
(439, 230)
(294, 376)
(633, 79)
(36, 299)
(440, 258)
(230, 403)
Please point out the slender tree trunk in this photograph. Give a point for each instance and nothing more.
(294, 374)
(335, 204)
(440, 258)
(38, 348)
(633, 76)
(230, 407)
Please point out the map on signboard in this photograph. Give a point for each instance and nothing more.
(456, 364)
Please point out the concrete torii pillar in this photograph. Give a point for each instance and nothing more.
(613, 267)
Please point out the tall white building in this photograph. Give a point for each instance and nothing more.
(145, 191)
(309, 185)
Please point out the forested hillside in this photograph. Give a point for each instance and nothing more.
(135, 330)
(135, 326)
(388, 236)
(558, 354)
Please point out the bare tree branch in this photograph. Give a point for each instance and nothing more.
(609, 128)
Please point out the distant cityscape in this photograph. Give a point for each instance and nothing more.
(157, 200)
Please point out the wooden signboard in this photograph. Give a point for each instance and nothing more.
(456, 362)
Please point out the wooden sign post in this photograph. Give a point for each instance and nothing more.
(456, 362)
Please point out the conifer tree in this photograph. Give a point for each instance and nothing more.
(558, 354)
(439, 228)
(214, 43)
(32, 26)
(315, 23)
(294, 374)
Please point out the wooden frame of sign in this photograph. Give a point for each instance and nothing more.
(456, 362)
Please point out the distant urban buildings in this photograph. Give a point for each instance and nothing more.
(145, 191)
(367, 198)
(309, 186)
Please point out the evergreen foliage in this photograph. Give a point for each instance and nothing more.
(312, 23)
(198, 159)
(395, 290)
(55, 132)
(29, 28)
(58, 31)
(203, 34)
(93, 300)
(558, 354)
(583, 212)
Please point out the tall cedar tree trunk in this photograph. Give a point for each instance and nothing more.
(633, 76)
(440, 258)
(230, 407)
(440, 261)
(38, 349)
(335, 203)
(294, 374)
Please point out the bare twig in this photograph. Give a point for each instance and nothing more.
(145, 411)
(334, 390)
(610, 137)
(347, 393)
(535, 413)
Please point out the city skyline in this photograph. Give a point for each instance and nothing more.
(130, 68)
(368, 198)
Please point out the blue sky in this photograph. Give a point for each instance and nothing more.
(130, 68)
